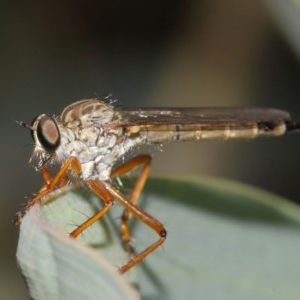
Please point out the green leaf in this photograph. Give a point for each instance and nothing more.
(58, 267)
(225, 241)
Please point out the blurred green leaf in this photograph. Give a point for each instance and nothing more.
(287, 15)
(225, 241)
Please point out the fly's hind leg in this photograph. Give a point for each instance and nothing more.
(100, 190)
(108, 194)
(146, 219)
(144, 160)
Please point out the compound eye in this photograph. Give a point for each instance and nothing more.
(47, 133)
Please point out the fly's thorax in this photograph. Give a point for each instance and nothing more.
(87, 135)
(87, 112)
(96, 149)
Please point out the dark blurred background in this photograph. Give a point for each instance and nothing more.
(148, 53)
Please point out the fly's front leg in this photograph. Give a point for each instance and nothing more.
(47, 178)
(50, 183)
(46, 175)
(144, 160)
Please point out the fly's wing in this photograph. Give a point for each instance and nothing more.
(178, 116)
(165, 124)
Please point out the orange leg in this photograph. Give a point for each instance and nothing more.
(50, 184)
(99, 189)
(145, 218)
(138, 187)
(108, 193)
(46, 175)
(47, 178)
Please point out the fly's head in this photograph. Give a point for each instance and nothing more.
(46, 137)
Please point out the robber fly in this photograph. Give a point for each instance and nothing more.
(91, 136)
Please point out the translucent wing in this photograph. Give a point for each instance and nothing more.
(205, 116)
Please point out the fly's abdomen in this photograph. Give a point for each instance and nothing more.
(191, 132)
